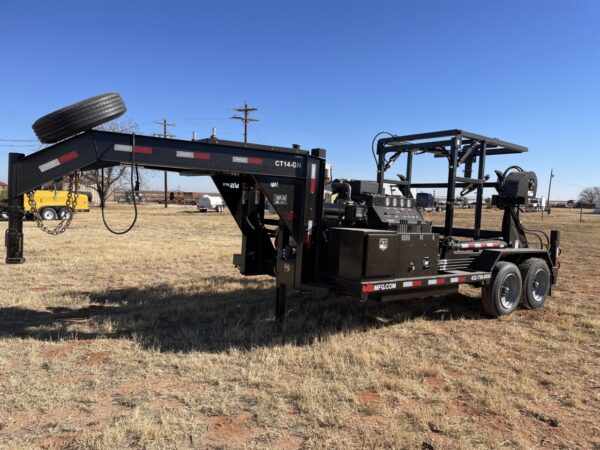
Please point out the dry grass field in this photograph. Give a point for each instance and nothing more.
(153, 340)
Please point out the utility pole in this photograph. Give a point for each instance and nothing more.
(165, 134)
(549, 187)
(245, 119)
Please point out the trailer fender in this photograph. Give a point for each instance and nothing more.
(488, 258)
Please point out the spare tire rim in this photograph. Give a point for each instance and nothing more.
(509, 292)
(539, 285)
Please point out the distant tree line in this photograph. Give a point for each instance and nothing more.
(590, 195)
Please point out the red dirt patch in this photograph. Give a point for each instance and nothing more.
(231, 431)
(61, 351)
(288, 442)
(369, 398)
(63, 440)
(98, 358)
(434, 382)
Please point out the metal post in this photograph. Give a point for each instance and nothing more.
(450, 196)
(409, 165)
(548, 199)
(380, 167)
(14, 233)
(479, 202)
(166, 189)
(280, 302)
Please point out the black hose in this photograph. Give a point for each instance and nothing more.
(373, 145)
(517, 221)
(519, 169)
(134, 188)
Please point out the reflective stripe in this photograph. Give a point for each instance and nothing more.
(246, 160)
(415, 283)
(58, 161)
(313, 175)
(192, 155)
(138, 149)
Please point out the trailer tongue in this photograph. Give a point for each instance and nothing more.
(367, 243)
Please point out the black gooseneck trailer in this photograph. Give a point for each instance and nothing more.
(368, 242)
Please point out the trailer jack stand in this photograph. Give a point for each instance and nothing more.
(280, 302)
(14, 234)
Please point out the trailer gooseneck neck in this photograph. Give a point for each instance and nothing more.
(366, 242)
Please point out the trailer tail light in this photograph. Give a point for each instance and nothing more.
(58, 161)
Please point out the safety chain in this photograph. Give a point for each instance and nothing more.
(65, 220)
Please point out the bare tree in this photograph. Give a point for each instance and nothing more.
(106, 181)
(590, 195)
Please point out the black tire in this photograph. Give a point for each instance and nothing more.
(536, 282)
(503, 295)
(48, 214)
(78, 117)
(220, 209)
(65, 213)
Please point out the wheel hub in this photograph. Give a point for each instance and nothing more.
(509, 291)
(539, 285)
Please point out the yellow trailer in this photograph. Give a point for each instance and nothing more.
(51, 204)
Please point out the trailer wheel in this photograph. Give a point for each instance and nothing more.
(65, 213)
(536, 283)
(503, 295)
(48, 214)
(220, 209)
(78, 117)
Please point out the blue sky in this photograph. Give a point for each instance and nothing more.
(323, 74)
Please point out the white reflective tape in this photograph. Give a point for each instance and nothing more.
(310, 226)
(407, 284)
(49, 165)
(430, 282)
(313, 171)
(122, 148)
(182, 154)
(454, 280)
(240, 159)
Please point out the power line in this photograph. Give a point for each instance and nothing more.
(165, 134)
(21, 145)
(19, 140)
(246, 110)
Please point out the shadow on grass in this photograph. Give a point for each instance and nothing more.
(174, 320)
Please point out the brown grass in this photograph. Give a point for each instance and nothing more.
(153, 340)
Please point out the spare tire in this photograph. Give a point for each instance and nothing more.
(78, 117)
